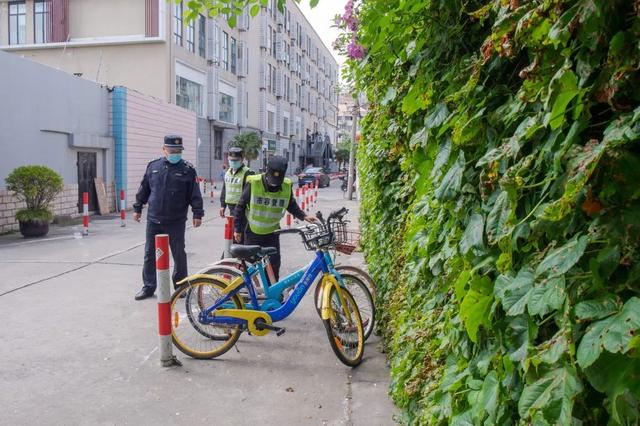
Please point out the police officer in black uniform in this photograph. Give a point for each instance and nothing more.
(169, 186)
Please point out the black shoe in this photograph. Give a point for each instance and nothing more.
(145, 293)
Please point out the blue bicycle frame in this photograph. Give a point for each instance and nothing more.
(302, 279)
(273, 292)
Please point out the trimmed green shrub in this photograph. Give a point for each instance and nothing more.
(37, 186)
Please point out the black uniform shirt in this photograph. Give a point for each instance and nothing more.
(169, 189)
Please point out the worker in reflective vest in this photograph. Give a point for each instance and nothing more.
(234, 180)
(263, 203)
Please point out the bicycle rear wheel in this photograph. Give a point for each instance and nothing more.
(193, 337)
(361, 294)
(346, 337)
(360, 273)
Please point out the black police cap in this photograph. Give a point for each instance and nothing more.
(276, 169)
(173, 141)
(236, 152)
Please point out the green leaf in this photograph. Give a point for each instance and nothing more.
(473, 234)
(444, 151)
(498, 218)
(516, 295)
(437, 117)
(451, 181)
(476, 307)
(546, 296)
(615, 375)
(560, 260)
(255, 9)
(389, 96)
(591, 310)
(568, 90)
(551, 396)
(489, 394)
(613, 334)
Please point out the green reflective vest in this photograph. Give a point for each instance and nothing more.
(233, 185)
(267, 208)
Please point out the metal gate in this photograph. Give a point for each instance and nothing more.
(86, 174)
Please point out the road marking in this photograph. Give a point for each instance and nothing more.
(93, 262)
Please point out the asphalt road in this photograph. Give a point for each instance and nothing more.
(77, 349)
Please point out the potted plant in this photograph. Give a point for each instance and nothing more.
(37, 186)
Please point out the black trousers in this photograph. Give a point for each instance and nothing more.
(176, 243)
(269, 240)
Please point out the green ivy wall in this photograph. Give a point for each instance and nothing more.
(500, 173)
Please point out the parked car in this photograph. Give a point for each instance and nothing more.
(310, 174)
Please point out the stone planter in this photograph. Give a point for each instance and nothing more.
(34, 228)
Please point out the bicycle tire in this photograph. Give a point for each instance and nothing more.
(338, 342)
(361, 295)
(226, 334)
(362, 274)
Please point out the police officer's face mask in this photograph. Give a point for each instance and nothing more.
(174, 158)
(235, 164)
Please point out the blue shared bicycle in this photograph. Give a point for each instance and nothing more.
(271, 294)
(210, 313)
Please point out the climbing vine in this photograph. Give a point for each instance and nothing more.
(501, 207)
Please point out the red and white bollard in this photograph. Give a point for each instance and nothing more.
(306, 196)
(123, 214)
(85, 213)
(212, 191)
(288, 220)
(298, 199)
(228, 236)
(316, 196)
(163, 280)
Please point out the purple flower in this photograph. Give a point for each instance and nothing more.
(355, 50)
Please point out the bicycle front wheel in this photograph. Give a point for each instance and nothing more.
(346, 336)
(361, 294)
(189, 333)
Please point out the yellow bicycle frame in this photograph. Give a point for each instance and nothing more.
(326, 312)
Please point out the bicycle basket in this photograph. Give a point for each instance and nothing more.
(348, 242)
(315, 236)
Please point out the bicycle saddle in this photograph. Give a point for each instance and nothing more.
(251, 253)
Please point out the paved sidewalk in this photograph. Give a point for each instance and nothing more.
(77, 349)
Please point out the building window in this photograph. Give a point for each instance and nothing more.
(17, 23)
(177, 23)
(271, 121)
(274, 41)
(285, 126)
(225, 51)
(40, 19)
(269, 33)
(234, 50)
(191, 34)
(202, 38)
(269, 77)
(273, 81)
(217, 145)
(226, 108)
(189, 95)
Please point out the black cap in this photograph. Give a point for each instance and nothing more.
(173, 141)
(276, 169)
(235, 152)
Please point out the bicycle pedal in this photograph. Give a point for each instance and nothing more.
(279, 330)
